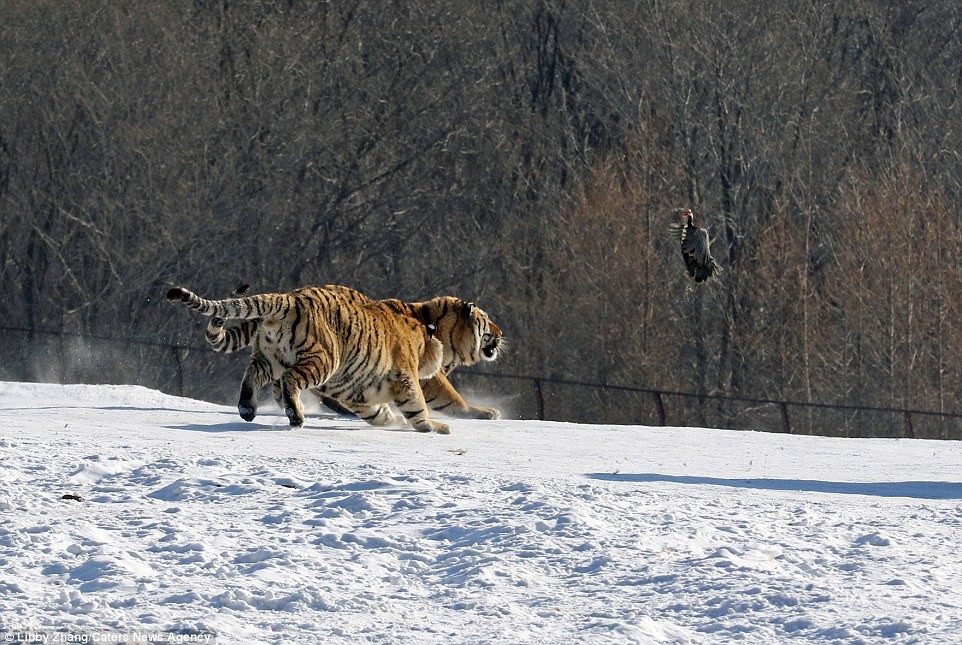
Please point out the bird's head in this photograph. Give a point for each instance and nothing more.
(686, 213)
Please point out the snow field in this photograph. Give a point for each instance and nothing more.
(504, 532)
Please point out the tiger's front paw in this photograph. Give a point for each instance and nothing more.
(471, 412)
(487, 413)
(429, 425)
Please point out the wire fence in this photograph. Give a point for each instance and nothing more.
(192, 369)
(785, 416)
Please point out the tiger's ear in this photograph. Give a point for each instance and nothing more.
(468, 309)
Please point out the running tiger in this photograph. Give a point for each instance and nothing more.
(466, 333)
(362, 354)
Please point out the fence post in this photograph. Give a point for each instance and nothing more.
(180, 370)
(909, 430)
(659, 407)
(785, 420)
(62, 345)
(539, 398)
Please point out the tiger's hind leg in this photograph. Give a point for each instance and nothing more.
(410, 401)
(258, 372)
(309, 372)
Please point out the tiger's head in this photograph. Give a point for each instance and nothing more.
(466, 332)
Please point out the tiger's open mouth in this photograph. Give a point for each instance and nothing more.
(489, 346)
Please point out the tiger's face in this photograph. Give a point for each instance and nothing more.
(467, 333)
(490, 336)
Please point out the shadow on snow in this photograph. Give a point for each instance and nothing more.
(913, 489)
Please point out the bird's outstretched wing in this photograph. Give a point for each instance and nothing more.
(695, 249)
(696, 243)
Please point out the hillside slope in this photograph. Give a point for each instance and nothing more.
(193, 521)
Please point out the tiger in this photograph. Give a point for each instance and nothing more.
(363, 354)
(466, 333)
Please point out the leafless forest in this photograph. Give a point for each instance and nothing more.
(527, 155)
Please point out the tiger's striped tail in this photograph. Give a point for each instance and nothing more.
(230, 339)
(267, 305)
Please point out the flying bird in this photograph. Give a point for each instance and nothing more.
(694, 248)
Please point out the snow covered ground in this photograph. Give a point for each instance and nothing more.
(194, 522)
